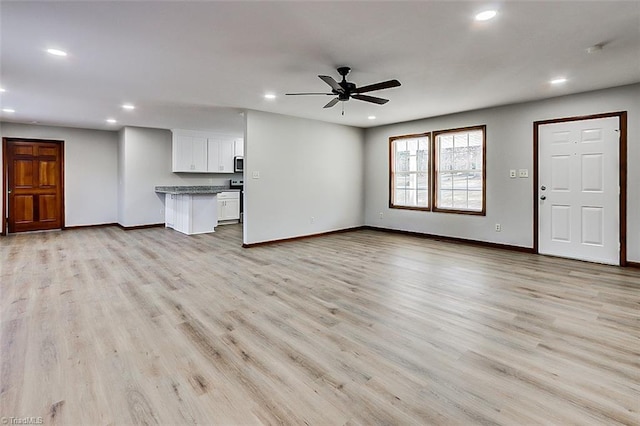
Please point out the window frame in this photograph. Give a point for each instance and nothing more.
(434, 177)
(428, 172)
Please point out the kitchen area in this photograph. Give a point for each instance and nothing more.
(198, 209)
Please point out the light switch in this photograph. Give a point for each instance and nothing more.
(256, 175)
(523, 173)
(512, 173)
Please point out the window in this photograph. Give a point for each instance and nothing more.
(459, 172)
(409, 162)
(442, 171)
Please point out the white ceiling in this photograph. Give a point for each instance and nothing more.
(198, 64)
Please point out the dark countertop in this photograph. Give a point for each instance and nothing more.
(194, 189)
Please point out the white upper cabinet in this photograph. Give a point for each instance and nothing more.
(220, 155)
(189, 153)
(202, 152)
(238, 146)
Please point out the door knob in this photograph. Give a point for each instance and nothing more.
(543, 187)
(543, 198)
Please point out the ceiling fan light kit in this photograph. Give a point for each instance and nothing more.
(345, 90)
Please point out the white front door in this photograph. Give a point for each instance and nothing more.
(578, 190)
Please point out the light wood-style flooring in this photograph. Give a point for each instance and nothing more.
(102, 326)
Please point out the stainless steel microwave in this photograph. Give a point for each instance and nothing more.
(238, 164)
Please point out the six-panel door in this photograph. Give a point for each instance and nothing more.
(579, 190)
(35, 185)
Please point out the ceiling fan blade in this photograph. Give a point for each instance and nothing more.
(371, 99)
(331, 103)
(297, 94)
(331, 82)
(378, 86)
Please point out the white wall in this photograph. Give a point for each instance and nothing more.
(90, 163)
(121, 169)
(145, 162)
(307, 169)
(509, 146)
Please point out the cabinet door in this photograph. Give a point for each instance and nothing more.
(238, 145)
(228, 206)
(232, 209)
(228, 209)
(182, 153)
(213, 156)
(189, 153)
(199, 156)
(220, 155)
(226, 151)
(221, 209)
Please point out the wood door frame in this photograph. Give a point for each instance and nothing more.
(622, 178)
(5, 170)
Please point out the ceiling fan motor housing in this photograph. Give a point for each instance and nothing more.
(347, 87)
(343, 71)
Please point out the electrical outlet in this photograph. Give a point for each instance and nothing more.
(512, 173)
(498, 227)
(256, 175)
(381, 215)
(523, 173)
(313, 219)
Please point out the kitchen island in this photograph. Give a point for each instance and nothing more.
(191, 209)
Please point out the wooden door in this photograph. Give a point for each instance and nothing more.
(35, 185)
(579, 190)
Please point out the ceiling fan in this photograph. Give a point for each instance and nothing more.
(345, 90)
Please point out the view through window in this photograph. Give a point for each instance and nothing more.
(459, 170)
(452, 181)
(410, 171)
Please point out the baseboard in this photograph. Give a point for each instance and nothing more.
(99, 225)
(453, 239)
(106, 225)
(302, 237)
(132, 228)
(419, 235)
(397, 231)
(72, 227)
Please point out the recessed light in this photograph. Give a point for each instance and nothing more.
(128, 106)
(2, 90)
(269, 96)
(371, 117)
(486, 15)
(56, 52)
(558, 80)
(111, 120)
(9, 110)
